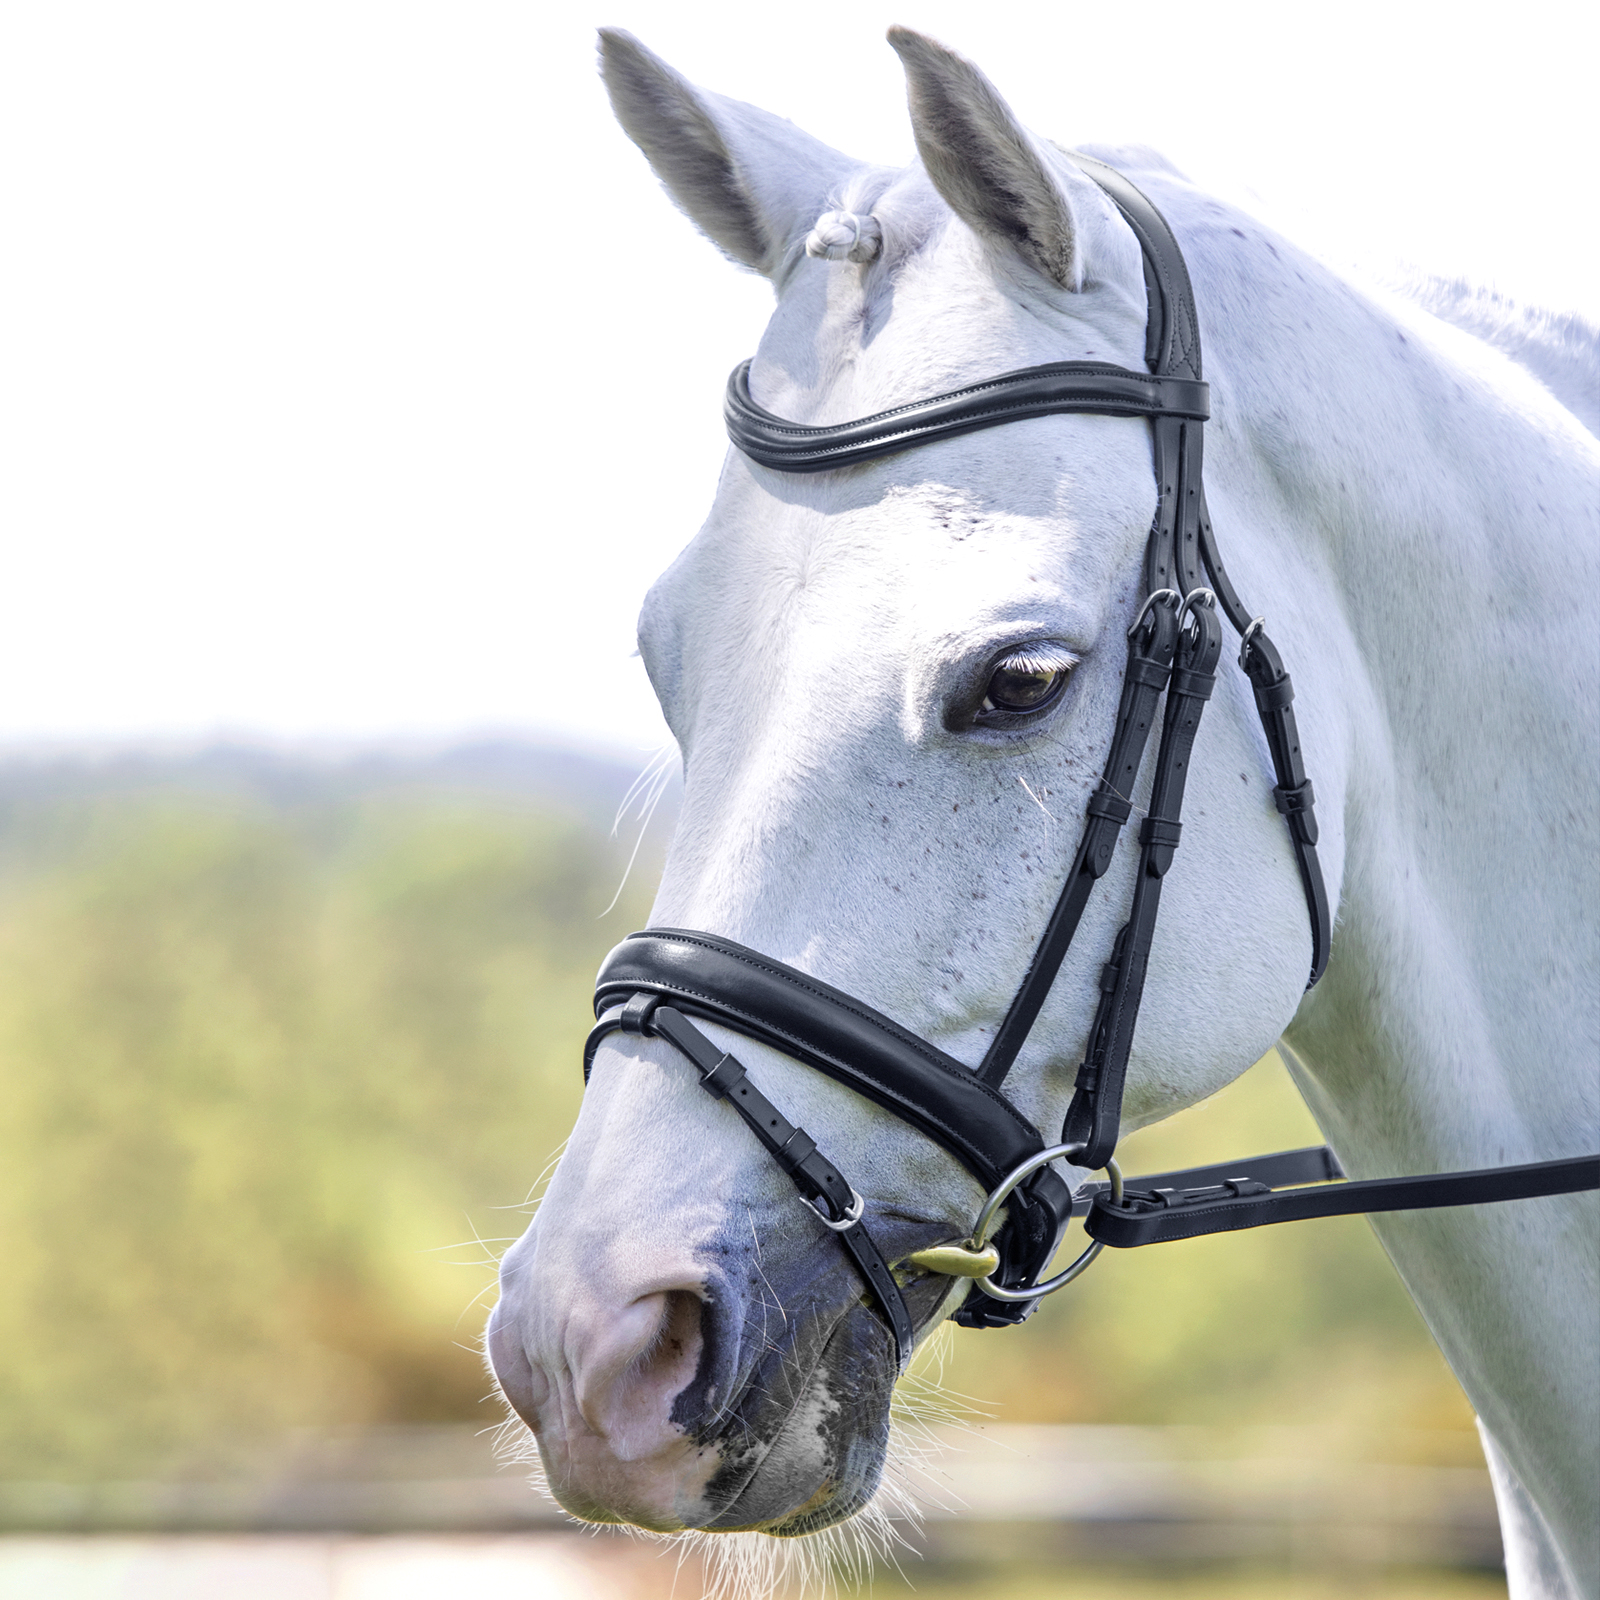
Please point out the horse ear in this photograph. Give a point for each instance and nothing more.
(988, 168)
(751, 182)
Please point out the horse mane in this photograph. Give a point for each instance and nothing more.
(1560, 348)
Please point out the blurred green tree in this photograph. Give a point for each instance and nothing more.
(256, 1067)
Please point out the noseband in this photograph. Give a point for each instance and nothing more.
(656, 981)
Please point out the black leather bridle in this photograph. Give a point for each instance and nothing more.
(656, 981)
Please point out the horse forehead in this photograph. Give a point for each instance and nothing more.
(836, 349)
(928, 539)
(918, 562)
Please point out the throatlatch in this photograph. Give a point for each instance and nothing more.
(656, 980)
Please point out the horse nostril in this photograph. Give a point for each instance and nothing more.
(674, 1356)
(628, 1378)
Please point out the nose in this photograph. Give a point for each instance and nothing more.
(624, 1366)
(613, 1389)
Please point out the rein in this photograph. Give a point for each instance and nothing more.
(657, 980)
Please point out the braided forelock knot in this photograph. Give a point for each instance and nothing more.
(844, 236)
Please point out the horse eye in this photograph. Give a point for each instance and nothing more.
(1026, 683)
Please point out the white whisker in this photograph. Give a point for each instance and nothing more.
(648, 788)
(1036, 800)
(647, 775)
(758, 1566)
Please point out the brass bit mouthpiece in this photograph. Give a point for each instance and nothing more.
(957, 1260)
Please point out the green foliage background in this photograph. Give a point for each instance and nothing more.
(268, 1067)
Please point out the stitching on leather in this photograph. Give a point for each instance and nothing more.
(753, 413)
(877, 1020)
(867, 448)
(1046, 405)
(721, 1011)
(1184, 333)
(930, 431)
(815, 987)
(1003, 381)
(1132, 406)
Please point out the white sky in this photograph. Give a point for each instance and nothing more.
(325, 327)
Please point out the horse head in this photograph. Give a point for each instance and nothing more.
(892, 686)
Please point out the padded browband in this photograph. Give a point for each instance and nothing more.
(720, 981)
(1094, 387)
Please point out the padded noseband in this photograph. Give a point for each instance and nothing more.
(717, 980)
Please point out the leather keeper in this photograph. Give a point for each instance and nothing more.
(1296, 804)
(1295, 801)
(1158, 831)
(1150, 674)
(1194, 685)
(723, 1078)
(1274, 696)
(637, 1012)
(1103, 803)
(797, 1148)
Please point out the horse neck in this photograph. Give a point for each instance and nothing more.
(1417, 519)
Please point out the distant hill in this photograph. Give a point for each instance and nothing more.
(588, 782)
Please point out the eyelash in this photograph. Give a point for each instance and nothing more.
(1051, 662)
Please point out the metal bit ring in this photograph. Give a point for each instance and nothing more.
(999, 1197)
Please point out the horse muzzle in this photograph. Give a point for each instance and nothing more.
(747, 1387)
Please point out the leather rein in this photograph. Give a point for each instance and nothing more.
(657, 980)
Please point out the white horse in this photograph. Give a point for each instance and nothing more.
(1414, 512)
